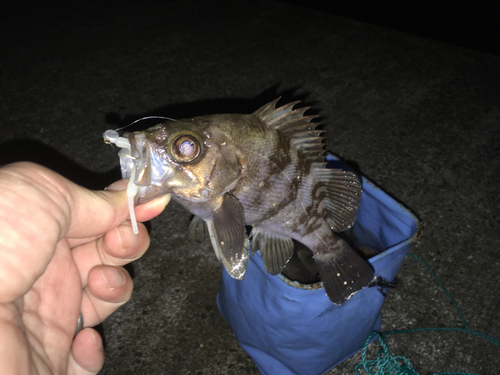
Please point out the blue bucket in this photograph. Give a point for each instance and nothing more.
(288, 328)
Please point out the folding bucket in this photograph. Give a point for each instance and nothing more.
(291, 329)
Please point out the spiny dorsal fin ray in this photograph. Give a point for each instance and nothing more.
(273, 114)
(285, 112)
(276, 250)
(296, 127)
(342, 191)
(269, 107)
(287, 123)
(309, 133)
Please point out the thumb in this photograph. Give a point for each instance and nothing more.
(87, 354)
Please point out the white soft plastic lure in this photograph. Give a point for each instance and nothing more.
(112, 136)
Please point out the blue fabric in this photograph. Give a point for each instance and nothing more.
(290, 330)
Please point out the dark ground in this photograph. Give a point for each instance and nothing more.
(419, 117)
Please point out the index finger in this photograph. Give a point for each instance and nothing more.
(39, 207)
(96, 212)
(143, 212)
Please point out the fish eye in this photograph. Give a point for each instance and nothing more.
(185, 147)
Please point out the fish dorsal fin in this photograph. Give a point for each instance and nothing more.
(296, 127)
(198, 230)
(276, 250)
(342, 191)
(228, 237)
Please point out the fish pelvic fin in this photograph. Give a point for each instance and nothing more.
(228, 237)
(342, 190)
(198, 230)
(296, 127)
(343, 272)
(276, 250)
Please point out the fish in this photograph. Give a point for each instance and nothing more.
(265, 170)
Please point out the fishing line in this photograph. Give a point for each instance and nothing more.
(146, 118)
(387, 364)
(111, 135)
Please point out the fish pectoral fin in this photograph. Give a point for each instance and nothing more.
(342, 191)
(229, 237)
(276, 250)
(343, 272)
(198, 229)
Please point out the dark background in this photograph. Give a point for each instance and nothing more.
(471, 24)
(412, 100)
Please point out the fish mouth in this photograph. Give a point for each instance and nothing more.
(145, 166)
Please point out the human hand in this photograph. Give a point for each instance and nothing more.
(61, 248)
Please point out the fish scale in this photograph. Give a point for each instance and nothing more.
(264, 169)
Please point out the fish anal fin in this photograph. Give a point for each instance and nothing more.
(342, 191)
(228, 236)
(343, 272)
(275, 250)
(198, 230)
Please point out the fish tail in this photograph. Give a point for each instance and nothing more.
(343, 272)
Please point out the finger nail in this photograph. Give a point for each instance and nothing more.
(97, 341)
(126, 236)
(113, 277)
